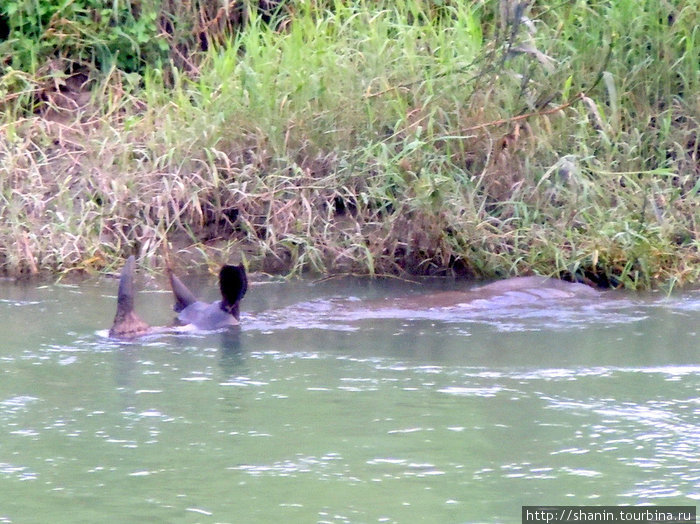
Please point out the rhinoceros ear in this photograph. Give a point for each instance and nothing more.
(126, 323)
(183, 296)
(233, 284)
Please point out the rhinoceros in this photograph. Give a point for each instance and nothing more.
(192, 313)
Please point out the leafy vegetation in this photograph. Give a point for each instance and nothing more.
(483, 138)
(82, 32)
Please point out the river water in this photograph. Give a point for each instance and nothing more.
(325, 409)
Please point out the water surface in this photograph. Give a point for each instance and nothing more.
(321, 410)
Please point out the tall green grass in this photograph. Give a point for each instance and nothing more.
(380, 138)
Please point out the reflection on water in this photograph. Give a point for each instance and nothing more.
(320, 409)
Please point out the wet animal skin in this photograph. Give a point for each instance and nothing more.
(511, 291)
(233, 284)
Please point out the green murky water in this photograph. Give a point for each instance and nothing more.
(318, 411)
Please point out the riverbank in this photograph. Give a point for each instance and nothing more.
(560, 140)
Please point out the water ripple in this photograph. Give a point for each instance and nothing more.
(502, 313)
(293, 467)
(18, 472)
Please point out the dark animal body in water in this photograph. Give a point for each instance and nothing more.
(233, 285)
(512, 291)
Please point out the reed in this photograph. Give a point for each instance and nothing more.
(379, 138)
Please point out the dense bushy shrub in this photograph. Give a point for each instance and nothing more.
(103, 34)
(126, 34)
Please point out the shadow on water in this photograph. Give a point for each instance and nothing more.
(228, 344)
